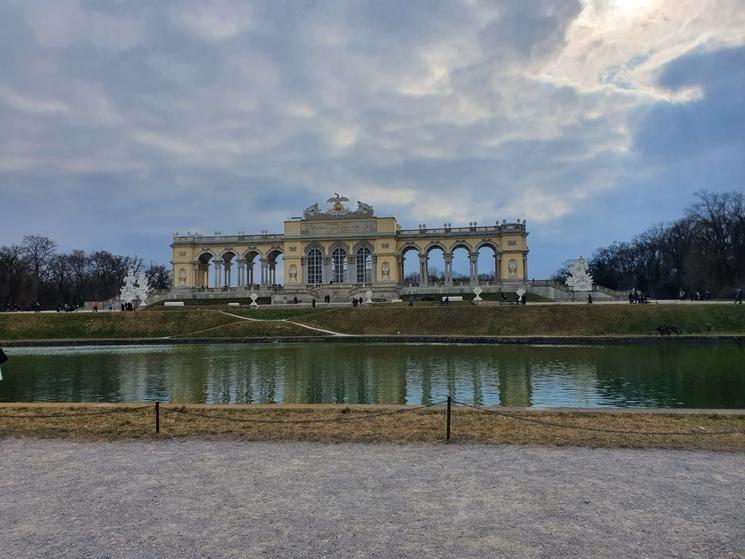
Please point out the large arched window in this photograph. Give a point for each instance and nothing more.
(338, 265)
(364, 265)
(315, 267)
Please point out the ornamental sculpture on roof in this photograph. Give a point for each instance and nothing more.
(338, 209)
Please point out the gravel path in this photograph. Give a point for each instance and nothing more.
(232, 499)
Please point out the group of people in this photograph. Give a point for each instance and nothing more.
(356, 302)
(519, 299)
(694, 295)
(637, 297)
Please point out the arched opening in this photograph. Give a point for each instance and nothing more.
(435, 265)
(410, 267)
(314, 265)
(487, 263)
(461, 265)
(338, 265)
(275, 268)
(253, 269)
(202, 279)
(363, 265)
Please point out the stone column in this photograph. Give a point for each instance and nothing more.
(474, 269)
(218, 279)
(401, 271)
(228, 273)
(423, 272)
(374, 263)
(448, 269)
(525, 267)
(497, 266)
(241, 273)
(326, 270)
(263, 272)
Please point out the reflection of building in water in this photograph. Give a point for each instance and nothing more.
(567, 382)
(515, 383)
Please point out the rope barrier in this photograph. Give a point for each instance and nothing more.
(350, 417)
(73, 414)
(548, 423)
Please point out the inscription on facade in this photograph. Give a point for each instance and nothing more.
(337, 228)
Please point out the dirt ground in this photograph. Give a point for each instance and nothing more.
(196, 498)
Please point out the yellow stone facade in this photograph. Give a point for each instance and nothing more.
(340, 246)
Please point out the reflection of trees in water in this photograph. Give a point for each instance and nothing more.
(695, 376)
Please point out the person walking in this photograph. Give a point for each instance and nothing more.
(589, 299)
(3, 359)
(738, 296)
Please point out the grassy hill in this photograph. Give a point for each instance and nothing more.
(538, 320)
(460, 320)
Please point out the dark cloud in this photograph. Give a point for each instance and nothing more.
(696, 128)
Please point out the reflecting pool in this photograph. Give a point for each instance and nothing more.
(665, 375)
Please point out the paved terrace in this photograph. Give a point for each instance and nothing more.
(228, 499)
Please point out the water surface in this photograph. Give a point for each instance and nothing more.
(665, 375)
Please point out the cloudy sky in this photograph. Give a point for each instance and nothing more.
(122, 122)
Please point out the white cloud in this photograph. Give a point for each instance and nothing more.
(31, 105)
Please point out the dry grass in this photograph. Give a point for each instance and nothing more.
(531, 320)
(420, 425)
(107, 324)
(245, 328)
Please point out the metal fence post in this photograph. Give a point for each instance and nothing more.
(447, 432)
(157, 417)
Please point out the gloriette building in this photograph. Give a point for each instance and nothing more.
(341, 251)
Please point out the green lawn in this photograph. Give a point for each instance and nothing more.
(421, 319)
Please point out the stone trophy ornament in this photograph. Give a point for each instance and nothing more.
(293, 273)
(364, 210)
(312, 211)
(579, 275)
(477, 291)
(135, 289)
(512, 267)
(253, 297)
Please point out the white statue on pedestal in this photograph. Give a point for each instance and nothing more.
(579, 277)
(253, 297)
(136, 288)
(368, 297)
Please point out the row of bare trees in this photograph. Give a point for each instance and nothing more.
(34, 272)
(703, 251)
